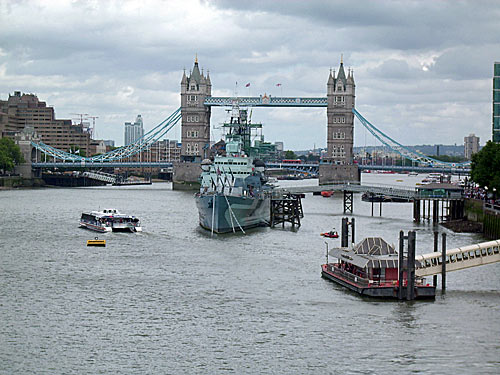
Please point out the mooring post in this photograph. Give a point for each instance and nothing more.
(344, 240)
(353, 230)
(410, 272)
(326, 253)
(401, 265)
(443, 263)
(436, 241)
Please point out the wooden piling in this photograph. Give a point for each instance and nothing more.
(401, 264)
(344, 233)
(287, 209)
(410, 273)
(436, 241)
(443, 263)
(348, 201)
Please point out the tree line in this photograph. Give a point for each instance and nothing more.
(10, 155)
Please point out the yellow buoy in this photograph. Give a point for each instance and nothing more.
(96, 242)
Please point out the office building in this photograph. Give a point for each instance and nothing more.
(25, 110)
(471, 146)
(496, 103)
(134, 131)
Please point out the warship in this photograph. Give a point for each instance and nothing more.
(234, 193)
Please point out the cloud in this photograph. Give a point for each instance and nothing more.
(422, 69)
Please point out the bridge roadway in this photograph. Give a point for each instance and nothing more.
(112, 164)
(308, 167)
(314, 167)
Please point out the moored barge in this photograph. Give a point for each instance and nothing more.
(371, 268)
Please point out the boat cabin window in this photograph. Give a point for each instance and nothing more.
(496, 250)
(478, 253)
(490, 251)
(483, 252)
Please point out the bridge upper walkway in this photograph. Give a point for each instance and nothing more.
(459, 258)
(266, 101)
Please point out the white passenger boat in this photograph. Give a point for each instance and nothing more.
(110, 220)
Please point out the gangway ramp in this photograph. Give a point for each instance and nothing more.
(459, 258)
(101, 176)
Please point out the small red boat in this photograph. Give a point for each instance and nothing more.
(327, 193)
(331, 234)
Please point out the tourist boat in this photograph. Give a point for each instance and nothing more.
(110, 220)
(371, 268)
(234, 193)
(326, 193)
(331, 234)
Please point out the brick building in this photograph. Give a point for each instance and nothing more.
(22, 110)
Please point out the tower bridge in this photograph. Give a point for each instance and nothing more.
(194, 115)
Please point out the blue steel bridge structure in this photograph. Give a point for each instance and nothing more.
(120, 157)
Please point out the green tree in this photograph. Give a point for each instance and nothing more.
(6, 162)
(448, 158)
(74, 149)
(10, 154)
(290, 155)
(485, 167)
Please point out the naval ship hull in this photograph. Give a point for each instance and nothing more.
(249, 212)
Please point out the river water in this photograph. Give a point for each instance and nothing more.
(174, 300)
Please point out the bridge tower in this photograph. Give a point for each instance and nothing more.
(340, 134)
(195, 122)
(338, 164)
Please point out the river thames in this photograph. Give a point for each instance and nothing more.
(174, 300)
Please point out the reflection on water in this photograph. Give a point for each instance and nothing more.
(173, 299)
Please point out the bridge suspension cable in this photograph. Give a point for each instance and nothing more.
(404, 151)
(142, 144)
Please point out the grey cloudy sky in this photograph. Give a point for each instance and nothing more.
(423, 69)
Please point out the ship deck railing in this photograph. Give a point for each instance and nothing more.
(361, 281)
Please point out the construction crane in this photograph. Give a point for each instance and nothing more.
(81, 116)
(93, 131)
